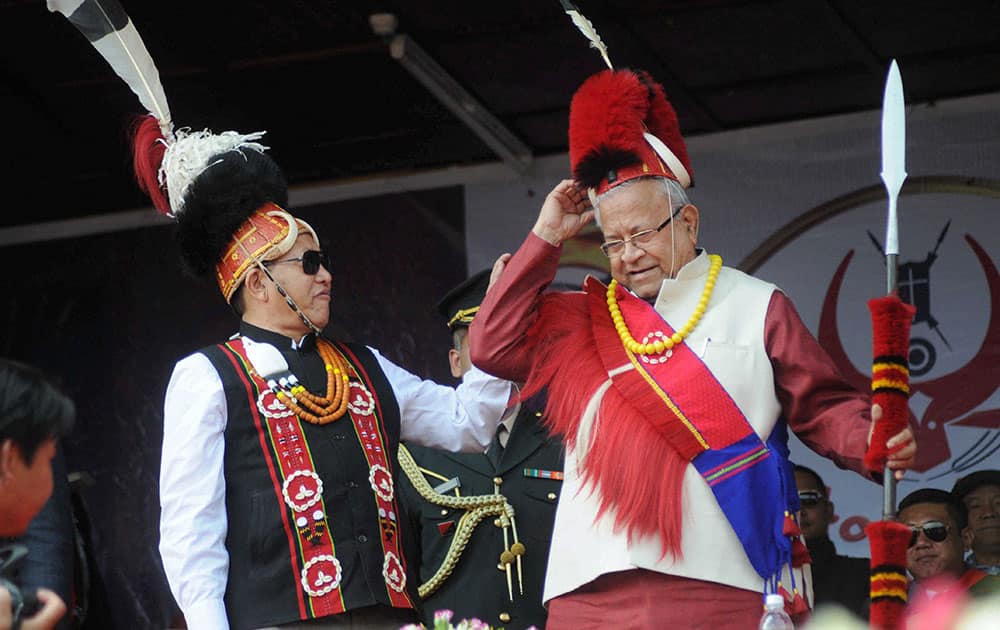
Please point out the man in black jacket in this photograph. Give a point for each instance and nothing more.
(483, 521)
(836, 579)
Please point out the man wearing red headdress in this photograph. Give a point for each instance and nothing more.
(674, 388)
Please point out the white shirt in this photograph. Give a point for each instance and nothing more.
(193, 487)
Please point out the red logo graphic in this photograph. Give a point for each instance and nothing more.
(953, 395)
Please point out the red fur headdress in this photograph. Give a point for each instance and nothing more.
(621, 126)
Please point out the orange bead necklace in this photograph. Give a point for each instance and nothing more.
(320, 409)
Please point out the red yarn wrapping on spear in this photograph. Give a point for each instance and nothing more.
(148, 147)
(891, 319)
(887, 541)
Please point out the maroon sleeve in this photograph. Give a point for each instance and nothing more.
(497, 335)
(825, 412)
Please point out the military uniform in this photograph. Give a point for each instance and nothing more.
(527, 473)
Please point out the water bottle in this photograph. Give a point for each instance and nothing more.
(775, 617)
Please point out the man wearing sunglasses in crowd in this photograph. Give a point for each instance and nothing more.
(940, 537)
(836, 579)
(278, 472)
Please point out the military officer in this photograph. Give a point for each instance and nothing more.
(483, 522)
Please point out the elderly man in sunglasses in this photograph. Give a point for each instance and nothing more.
(674, 386)
(940, 538)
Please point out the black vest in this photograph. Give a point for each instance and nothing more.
(263, 587)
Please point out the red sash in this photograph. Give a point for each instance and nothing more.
(678, 399)
(679, 395)
(970, 578)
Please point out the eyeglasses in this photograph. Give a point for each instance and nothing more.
(935, 531)
(311, 261)
(810, 498)
(614, 249)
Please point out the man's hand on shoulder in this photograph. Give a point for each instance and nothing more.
(564, 213)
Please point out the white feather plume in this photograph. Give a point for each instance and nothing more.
(122, 47)
(265, 358)
(587, 28)
(188, 157)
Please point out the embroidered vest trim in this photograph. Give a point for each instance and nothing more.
(297, 485)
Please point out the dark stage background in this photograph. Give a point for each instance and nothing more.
(108, 315)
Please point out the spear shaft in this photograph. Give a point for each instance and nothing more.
(893, 175)
(888, 478)
(891, 320)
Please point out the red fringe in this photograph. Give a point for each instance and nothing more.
(147, 155)
(790, 528)
(890, 337)
(565, 347)
(637, 473)
(800, 554)
(784, 593)
(798, 610)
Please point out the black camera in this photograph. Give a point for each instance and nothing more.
(23, 605)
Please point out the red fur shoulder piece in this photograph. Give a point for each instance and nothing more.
(565, 362)
(636, 472)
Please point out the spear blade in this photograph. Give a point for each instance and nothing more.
(893, 151)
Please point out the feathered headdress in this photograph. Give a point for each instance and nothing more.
(221, 188)
(621, 125)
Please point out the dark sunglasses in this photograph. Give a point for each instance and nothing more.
(311, 261)
(810, 498)
(935, 531)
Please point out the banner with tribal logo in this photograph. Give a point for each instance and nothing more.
(948, 270)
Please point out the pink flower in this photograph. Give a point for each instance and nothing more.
(443, 616)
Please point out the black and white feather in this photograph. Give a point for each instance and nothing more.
(587, 28)
(110, 30)
(186, 154)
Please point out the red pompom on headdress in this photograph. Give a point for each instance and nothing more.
(621, 126)
(663, 123)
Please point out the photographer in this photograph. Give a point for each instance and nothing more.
(33, 416)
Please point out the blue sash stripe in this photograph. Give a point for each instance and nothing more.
(747, 480)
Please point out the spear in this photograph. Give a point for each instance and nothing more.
(891, 320)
